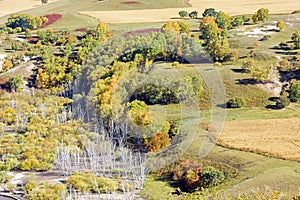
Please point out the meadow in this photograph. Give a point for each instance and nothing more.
(258, 146)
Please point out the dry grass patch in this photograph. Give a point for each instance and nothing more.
(275, 137)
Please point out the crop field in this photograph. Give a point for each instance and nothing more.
(275, 137)
(12, 6)
(168, 14)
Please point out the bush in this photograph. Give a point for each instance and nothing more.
(158, 142)
(43, 191)
(261, 15)
(191, 176)
(248, 65)
(246, 18)
(266, 37)
(89, 182)
(24, 21)
(183, 13)
(294, 93)
(236, 102)
(193, 14)
(175, 64)
(282, 102)
(209, 12)
(281, 25)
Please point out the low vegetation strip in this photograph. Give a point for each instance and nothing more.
(274, 137)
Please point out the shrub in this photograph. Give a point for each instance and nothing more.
(294, 93)
(89, 182)
(218, 64)
(24, 21)
(175, 64)
(281, 25)
(237, 21)
(28, 33)
(248, 65)
(15, 83)
(296, 39)
(235, 102)
(4, 177)
(246, 18)
(261, 15)
(158, 142)
(191, 176)
(193, 14)
(8, 115)
(43, 191)
(6, 65)
(282, 102)
(209, 12)
(284, 64)
(183, 13)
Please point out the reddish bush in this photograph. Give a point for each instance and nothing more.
(191, 176)
(51, 19)
(142, 31)
(81, 29)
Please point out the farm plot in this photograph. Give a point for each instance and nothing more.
(12, 6)
(168, 14)
(275, 137)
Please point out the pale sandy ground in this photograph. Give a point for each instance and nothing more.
(12, 6)
(232, 7)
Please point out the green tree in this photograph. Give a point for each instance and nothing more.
(15, 83)
(193, 14)
(44, 1)
(183, 13)
(209, 12)
(25, 21)
(180, 27)
(282, 102)
(28, 33)
(237, 21)
(14, 46)
(281, 25)
(294, 93)
(296, 39)
(222, 20)
(261, 15)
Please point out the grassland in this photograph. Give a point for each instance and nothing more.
(273, 133)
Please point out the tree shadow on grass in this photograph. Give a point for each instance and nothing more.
(246, 81)
(238, 70)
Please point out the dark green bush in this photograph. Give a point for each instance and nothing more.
(235, 102)
(294, 93)
(282, 102)
(24, 21)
